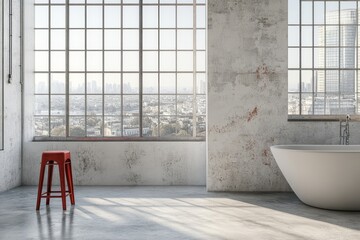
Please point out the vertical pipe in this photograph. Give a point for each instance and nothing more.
(67, 111)
(10, 41)
(140, 68)
(194, 105)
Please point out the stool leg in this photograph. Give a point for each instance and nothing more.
(49, 183)
(70, 182)
(41, 180)
(62, 184)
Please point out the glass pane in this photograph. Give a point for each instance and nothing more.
(332, 35)
(76, 83)
(201, 126)
(94, 17)
(293, 11)
(319, 104)
(319, 57)
(150, 16)
(293, 104)
(306, 81)
(150, 83)
(77, 126)
(94, 61)
(348, 35)
(41, 83)
(131, 107)
(347, 83)
(57, 127)
(58, 39)
(131, 61)
(332, 12)
(130, 17)
(77, 39)
(167, 17)
(293, 36)
(112, 105)
(201, 105)
(185, 61)
(200, 61)
(319, 76)
(41, 126)
(131, 39)
(167, 61)
(41, 104)
(150, 61)
(94, 83)
(131, 126)
(306, 12)
(150, 126)
(347, 57)
(94, 104)
(306, 36)
(167, 83)
(293, 58)
(58, 105)
(112, 83)
(185, 82)
(167, 40)
(348, 12)
(58, 61)
(130, 83)
(57, 83)
(41, 61)
(201, 83)
(293, 81)
(332, 57)
(319, 12)
(167, 105)
(77, 17)
(200, 17)
(112, 126)
(94, 126)
(76, 61)
(94, 39)
(41, 16)
(332, 81)
(185, 39)
(200, 39)
(150, 105)
(306, 104)
(58, 17)
(306, 58)
(319, 35)
(77, 105)
(150, 39)
(112, 61)
(184, 105)
(185, 17)
(112, 40)
(112, 17)
(168, 126)
(41, 39)
(184, 129)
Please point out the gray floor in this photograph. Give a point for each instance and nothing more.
(170, 213)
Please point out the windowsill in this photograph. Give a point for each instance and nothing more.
(118, 139)
(322, 118)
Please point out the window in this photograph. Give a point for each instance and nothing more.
(323, 69)
(120, 68)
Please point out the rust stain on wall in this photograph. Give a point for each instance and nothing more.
(252, 114)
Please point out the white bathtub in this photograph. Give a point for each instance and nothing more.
(323, 176)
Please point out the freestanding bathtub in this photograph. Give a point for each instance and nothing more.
(323, 176)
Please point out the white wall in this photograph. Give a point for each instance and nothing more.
(10, 157)
(110, 163)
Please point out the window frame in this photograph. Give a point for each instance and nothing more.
(321, 117)
(141, 71)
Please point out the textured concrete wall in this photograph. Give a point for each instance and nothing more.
(10, 157)
(124, 163)
(247, 97)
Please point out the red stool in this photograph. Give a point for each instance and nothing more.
(62, 159)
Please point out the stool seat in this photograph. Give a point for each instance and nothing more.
(63, 160)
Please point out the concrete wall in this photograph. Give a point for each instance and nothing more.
(247, 97)
(110, 163)
(10, 157)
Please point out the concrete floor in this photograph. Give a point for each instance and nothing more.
(170, 213)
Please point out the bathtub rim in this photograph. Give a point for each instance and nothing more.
(317, 148)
